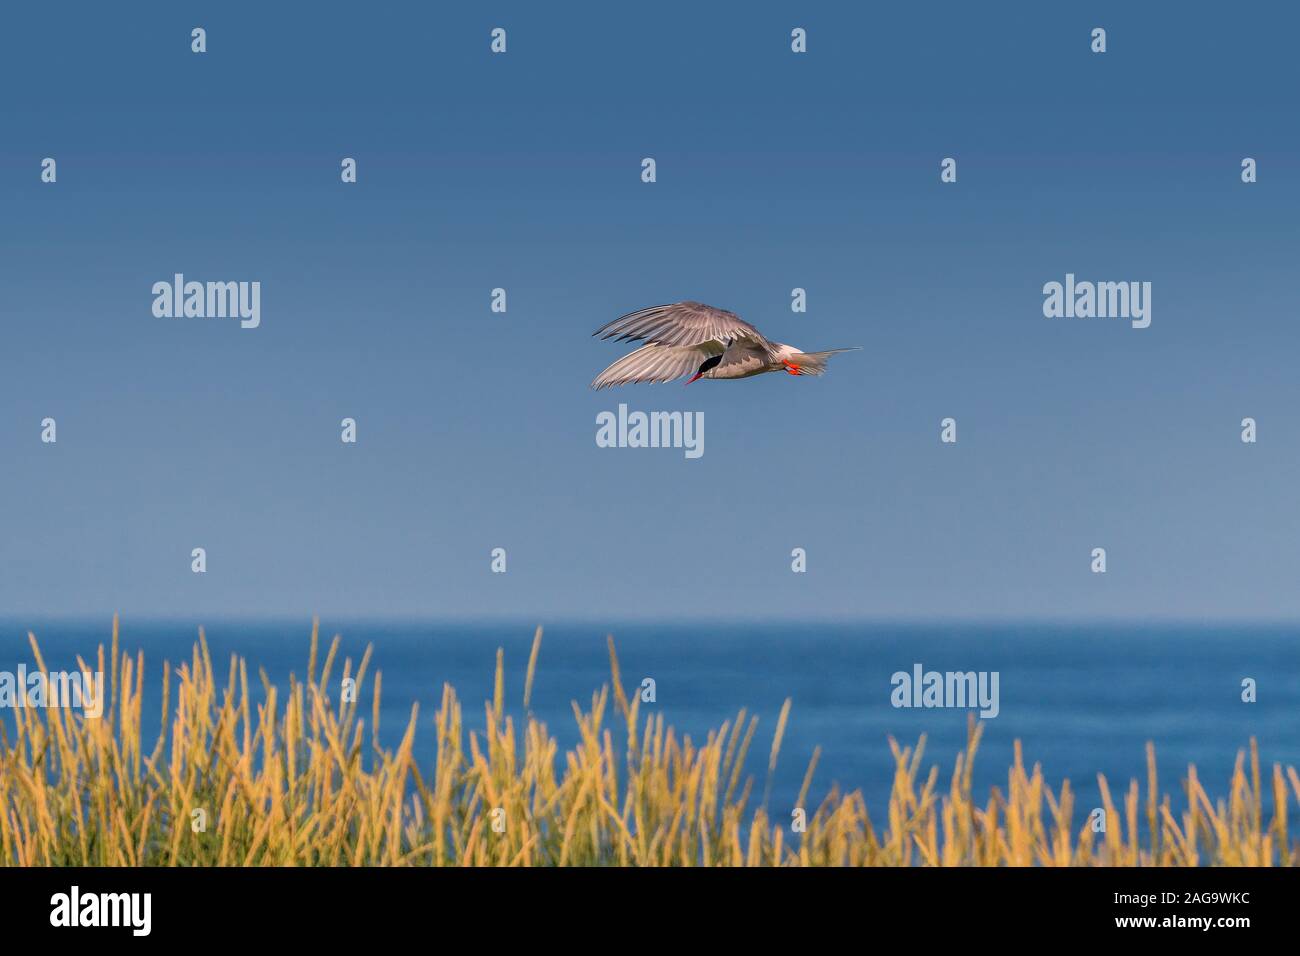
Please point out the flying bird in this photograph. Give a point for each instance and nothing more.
(690, 338)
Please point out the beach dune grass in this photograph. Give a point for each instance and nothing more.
(299, 779)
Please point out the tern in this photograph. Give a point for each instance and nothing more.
(691, 338)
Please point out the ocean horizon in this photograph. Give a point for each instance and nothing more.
(1083, 698)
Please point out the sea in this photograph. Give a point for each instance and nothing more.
(1082, 699)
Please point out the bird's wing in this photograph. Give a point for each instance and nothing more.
(656, 363)
(741, 360)
(682, 323)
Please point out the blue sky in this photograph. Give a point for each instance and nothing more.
(775, 171)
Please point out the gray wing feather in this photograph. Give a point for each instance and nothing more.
(681, 323)
(655, 363)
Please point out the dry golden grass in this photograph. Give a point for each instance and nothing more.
(298, 781)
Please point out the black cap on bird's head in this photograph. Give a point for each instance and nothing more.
(707, 364)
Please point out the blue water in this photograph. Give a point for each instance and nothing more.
(1083, 699)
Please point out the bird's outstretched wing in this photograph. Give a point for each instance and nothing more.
(656, 363)
(682, 323)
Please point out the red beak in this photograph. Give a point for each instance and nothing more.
(693, 377)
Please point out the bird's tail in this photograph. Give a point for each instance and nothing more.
(812, 363)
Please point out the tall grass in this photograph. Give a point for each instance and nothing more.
(299, 779)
